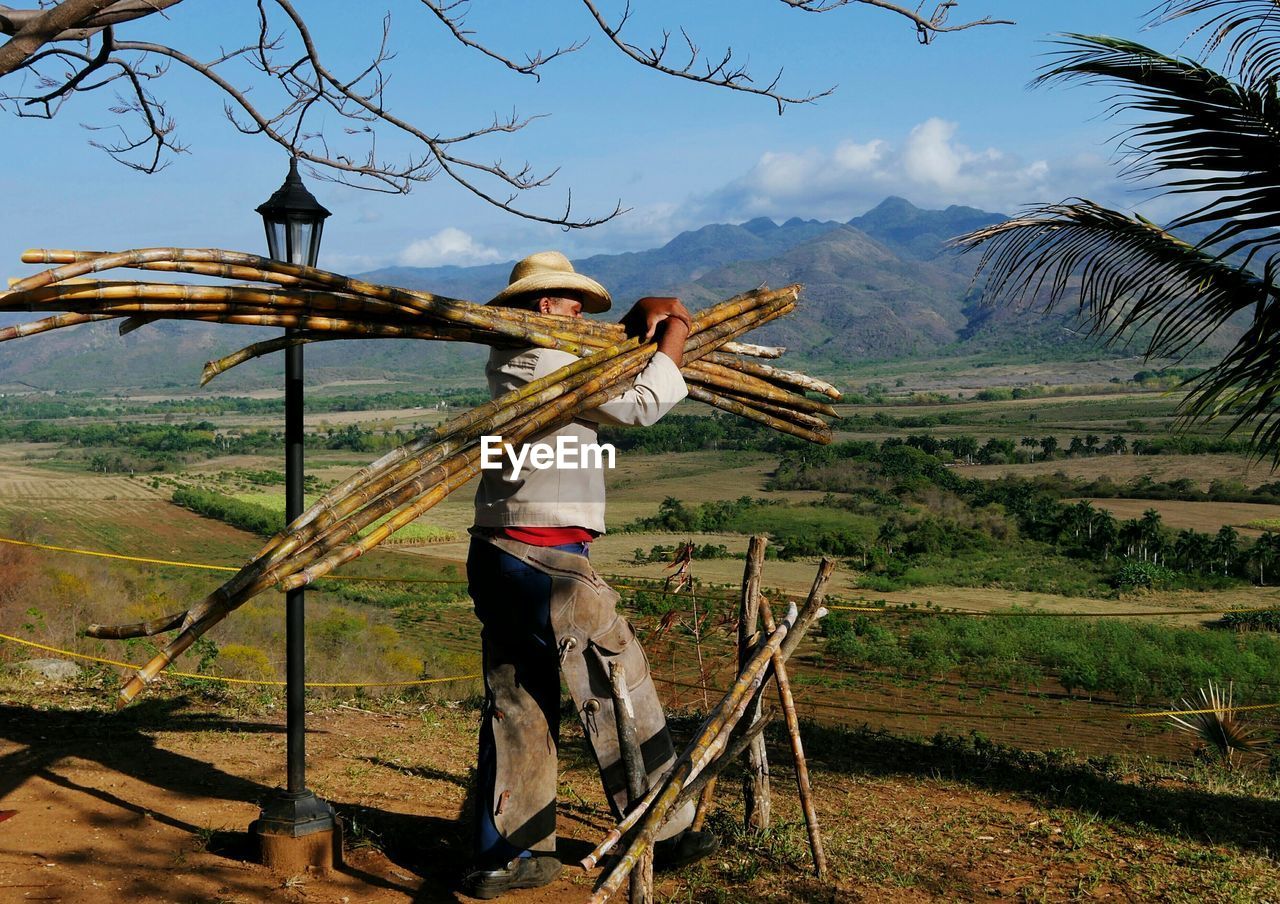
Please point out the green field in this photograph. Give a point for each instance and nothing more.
(416, 531)
(908, 523)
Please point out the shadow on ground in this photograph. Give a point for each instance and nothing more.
(1051, 779)
(420, 856)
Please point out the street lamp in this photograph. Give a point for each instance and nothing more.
(294, 221)
(292, 821)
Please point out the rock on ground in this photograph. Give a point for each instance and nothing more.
(53, 669)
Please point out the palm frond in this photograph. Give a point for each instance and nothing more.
(1245, 384)
(1128, 272)
(1215, 136)
(1214, 724)
(1131, 274)
(1248, 31)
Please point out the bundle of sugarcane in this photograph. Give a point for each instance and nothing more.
(408, 481)
(323, 306)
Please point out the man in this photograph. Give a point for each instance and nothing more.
(544, 609)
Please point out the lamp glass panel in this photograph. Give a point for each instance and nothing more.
(299, 240)
(313, 254)
(275, 239)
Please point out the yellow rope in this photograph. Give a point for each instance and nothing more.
(224, 680)
(219, 678)
(113, 555)
(1034, 613)
(873, 610)
(423, 681)
(207, 567)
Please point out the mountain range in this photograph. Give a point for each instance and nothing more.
(880, 286)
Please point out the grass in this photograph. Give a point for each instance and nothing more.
(1262, 524)
(1130, 660)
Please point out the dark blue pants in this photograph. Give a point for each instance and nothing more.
(513, 602)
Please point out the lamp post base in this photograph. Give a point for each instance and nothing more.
(298, 832)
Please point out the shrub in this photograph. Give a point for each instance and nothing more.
(1135, 575)
(242, 661)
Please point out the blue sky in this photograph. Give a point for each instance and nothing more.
(950, 123)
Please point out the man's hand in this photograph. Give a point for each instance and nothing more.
(645, 315)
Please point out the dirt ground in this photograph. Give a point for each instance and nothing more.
(151, 805)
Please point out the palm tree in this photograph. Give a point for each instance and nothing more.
(1226, 546)
(1105, 533)
(1192, 549)
(1264, 553)
(1117, 445)
(1080, 517)
(1131, 536)
(1212, 135)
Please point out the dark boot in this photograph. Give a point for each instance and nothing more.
(522, 872)
(687, 847)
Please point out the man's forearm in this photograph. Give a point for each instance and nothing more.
(672, 339)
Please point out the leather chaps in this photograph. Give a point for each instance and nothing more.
(589, 634)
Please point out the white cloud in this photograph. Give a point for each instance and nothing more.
(931, 166)
(448, 246)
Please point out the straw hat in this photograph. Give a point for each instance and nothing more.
(549, 271)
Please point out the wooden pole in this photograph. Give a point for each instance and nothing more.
(755, 785)
(637, 775)
(797, 751)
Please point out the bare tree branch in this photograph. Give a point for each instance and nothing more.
(276, 85)
(453, 15)
(926, 28)
(70, 20)
(721, 74)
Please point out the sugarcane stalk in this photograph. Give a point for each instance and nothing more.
(797, 751)
(777, 375)
(267, 268)
(735, 407)
(225, 264)
(802, 419)
(455, 472)
(741, 382)
(710, 742)
(57, 321)
(755, 351)
(517, 324)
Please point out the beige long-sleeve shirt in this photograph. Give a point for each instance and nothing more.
(563, 496)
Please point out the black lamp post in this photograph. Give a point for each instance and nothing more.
(294, 221)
